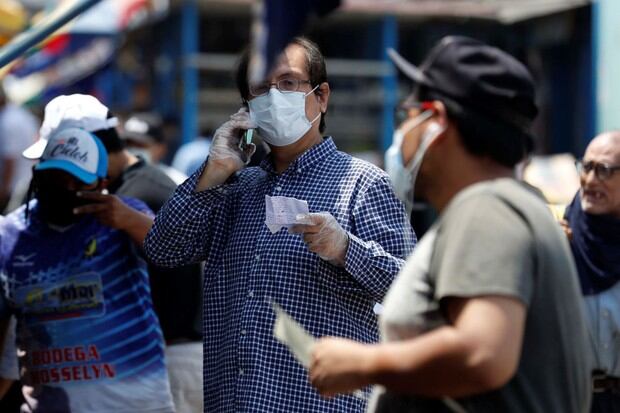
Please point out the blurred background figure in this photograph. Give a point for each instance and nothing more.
(593, 220)
(190, 156)
(18, 130)
(144, 137)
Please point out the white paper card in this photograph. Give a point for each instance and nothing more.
(290, 333)
(282, 211)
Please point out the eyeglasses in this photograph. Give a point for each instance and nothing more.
(601, 170)
(286, 85)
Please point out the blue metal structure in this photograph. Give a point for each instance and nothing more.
(389, 80)
(190, 76)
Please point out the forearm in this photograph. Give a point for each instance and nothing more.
(8, 168)
(5, 386)
(214, 174)
(182, 230)
(371, 265)
(437, 364)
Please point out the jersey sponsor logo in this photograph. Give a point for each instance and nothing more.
(49, 365)
(74, 297)
(91, 248)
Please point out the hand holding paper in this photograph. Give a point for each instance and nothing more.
(324, 236)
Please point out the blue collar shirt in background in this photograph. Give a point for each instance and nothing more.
(84, 314)
(247, 267)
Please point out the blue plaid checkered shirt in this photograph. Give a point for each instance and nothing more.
(245, 368)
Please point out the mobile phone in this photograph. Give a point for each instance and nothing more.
(246, 139)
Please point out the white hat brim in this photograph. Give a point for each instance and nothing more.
(35, 150)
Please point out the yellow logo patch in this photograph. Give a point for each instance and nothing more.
(91, 248)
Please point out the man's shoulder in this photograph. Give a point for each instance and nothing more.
(490, 192)
(147, 177)
(353, 167)
(15, 221)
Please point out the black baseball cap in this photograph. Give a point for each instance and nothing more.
(473, 78)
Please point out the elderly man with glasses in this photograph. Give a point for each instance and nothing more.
(327, 271)
(594, 221)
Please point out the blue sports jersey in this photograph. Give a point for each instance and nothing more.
(85, 318)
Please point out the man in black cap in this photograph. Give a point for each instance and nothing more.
(485, 316)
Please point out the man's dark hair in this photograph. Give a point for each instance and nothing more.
(315, 66)
(110, 138)
(482, 134)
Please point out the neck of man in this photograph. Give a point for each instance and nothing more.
(118, 162)
(461, 174)
(283, 156)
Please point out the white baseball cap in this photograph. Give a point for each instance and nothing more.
(77, 152)
(70, 111)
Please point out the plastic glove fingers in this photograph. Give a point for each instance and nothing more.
(315, 220)
(240, 113)
(304, 229)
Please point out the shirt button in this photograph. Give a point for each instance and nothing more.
(241, 372)
(606, 313)
(251, 294)
(244, 332)
(298, 170)
(278, 188)
(257, 257)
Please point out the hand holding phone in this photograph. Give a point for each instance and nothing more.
(246, 147)
(246, 139)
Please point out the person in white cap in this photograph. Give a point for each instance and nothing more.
(79, 291)
(176, 293)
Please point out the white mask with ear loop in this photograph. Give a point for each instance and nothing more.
(281, 117)
(404, 177)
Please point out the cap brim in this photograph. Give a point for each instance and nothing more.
(86, 177)
(35, 150)
(411, 71)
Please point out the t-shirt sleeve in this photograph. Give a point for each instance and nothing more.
(483, 247)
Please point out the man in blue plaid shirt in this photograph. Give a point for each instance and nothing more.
(327, 272)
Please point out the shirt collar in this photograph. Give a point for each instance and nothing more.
(307, 159)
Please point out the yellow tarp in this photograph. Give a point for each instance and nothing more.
(13, 18)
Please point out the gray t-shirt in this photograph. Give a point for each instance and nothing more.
(497, 238)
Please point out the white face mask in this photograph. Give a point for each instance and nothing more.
(404, 177)
(281, 117)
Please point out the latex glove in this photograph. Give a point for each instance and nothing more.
(339, 366)
(323, 235)
(225, 143)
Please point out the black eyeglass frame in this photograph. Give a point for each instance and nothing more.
(601, 170)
